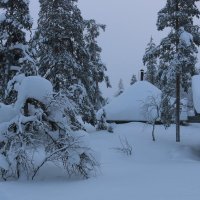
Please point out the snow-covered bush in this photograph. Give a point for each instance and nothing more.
(42, 123)
(125, 147)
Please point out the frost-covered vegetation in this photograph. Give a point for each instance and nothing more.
(46, 85)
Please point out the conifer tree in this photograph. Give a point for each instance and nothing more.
(15, 55)
(96, 67)
(177, 51)
(133, 79)
(150, 62)
(63, 56)
(120, 88)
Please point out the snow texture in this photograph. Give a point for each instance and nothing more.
(3, 163)
(196, 92)
(186, 37)
(162, 170)
(33, 87)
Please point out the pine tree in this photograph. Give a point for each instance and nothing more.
(120, 88)
(133, 79)
(63, 57)
(150, 62)
(15, 55)
(96, 67)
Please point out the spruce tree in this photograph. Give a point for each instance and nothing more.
(15, 55)
(96, 67)
(120, 88)
(133, 79)
(150, 62)
(62, 53)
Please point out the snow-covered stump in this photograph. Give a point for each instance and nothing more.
(45, 123)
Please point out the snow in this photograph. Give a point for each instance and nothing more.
(33, 87)
(196, 92)
(138, 103)
(7, 112)
(3, 162)
(2, 17)
(186, 37)
(161, 170)
(129, 105)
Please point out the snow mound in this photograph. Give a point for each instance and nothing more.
(33, 87)
(196, 92)
(129, 106)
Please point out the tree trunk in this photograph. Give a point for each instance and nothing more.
(177, 107)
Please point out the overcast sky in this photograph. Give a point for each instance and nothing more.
(130, 24)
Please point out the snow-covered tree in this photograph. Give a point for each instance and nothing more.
(63, 58)
(15, 55)
(133, 79)
(41, 122)
(120, 88)
(102, 124)
(177, 51)
(150, 62)
(96, 68)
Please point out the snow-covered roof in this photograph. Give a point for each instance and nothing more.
(138, 103)
(129, 106)
(196, 92)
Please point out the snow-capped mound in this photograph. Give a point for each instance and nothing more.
(33, 87)
(196, 92)
(129, 106)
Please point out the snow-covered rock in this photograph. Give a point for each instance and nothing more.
(196, 92)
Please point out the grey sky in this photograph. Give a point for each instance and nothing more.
(130, 24)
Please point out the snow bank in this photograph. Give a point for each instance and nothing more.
(196, 92)
(33, 87)
(129, 106)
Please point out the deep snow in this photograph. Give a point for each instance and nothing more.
(161, 170)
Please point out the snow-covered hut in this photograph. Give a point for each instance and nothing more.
(137, 103)
(129, 106)
(196, 92)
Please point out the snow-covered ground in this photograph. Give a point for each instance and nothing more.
(161, 170)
